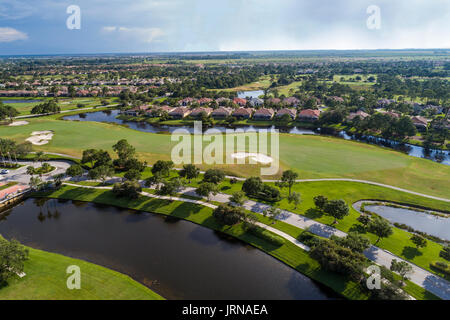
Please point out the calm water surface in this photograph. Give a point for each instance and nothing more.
(176, 258)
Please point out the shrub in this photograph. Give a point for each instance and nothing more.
(335, 258)
(309, 239)
(129, 189)
(441, 266)
(254, 187)
(228, 215)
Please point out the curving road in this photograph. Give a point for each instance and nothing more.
(427, 280)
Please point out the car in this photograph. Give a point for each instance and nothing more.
(4, 171)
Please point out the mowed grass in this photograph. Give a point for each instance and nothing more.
(287, 253)
(311, 156)
(46, 280)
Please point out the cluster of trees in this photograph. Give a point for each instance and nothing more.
(254, 187)
(337, 209)
(12, 258)
(386, 125)
(50, 106)
(11, 150)
(7, 112)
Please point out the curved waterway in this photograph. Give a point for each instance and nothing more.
(175, 258)
(110, 116)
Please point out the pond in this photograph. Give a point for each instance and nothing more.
(20, 101)
(175, 258)
(415, 151)
(250, 94)
(421, 221)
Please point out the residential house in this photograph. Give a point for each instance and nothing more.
(256, 102)
(243, 113)
(359, 113)
(419, 122)
(263, 114)
(291, 101)
(309, 115)
(239, 101)
(197, 112)
(289, 111)
(221, 113)
(179, 113)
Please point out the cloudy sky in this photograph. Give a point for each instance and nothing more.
(40, 26)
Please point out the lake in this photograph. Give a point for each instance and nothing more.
(20, 101)
(421, 221)
(175, 258)
(415, 151)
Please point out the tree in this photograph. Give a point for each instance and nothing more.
(124, 151)
(320, 202)
(287, 179)
(272, 212)
(206, 189)
(7, 112)
(102, 158)
(338, 209)
(12, 258)
(154, 180)
(170, 188)
(419, 241)
(89, 155)
(162, 167)
(238, 198)
(74, 171)
(364, 219)
(101, 172)
(228, 215)
(128, 189)
(334, 257)
(190, 172)
(135, 164)
(296, 198)
(31, 170)
(445, 252)
(57, 179)
(35, 182)
(380, 227)
(252, 185)
(403, 268)
(214, 176)
(353, 241)
(132, 174)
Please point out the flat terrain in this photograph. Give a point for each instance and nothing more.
(46, 280)
(311, 156)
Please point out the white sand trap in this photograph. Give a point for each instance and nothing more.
(18, 123)
(258, 157)
(39, 138)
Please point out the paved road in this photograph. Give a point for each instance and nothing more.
(20, 175)
(421, 277)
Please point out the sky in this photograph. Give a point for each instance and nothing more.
(114, 26)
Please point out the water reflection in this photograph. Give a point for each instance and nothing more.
(110, 116)
(179, 260)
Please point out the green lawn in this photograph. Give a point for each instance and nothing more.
(310, 156)
(64, 103)
(287, 253)
(46, 280)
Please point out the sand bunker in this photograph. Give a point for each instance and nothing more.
(18, 123)
(258, 157)
(40, 137)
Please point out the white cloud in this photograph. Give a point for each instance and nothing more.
(146, 35)
(11, 34)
